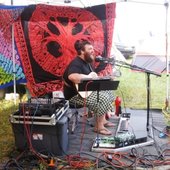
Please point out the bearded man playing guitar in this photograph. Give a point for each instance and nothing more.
(78, 69)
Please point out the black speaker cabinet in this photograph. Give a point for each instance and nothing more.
(46, 139)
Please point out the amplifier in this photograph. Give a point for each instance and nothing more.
(41, 106)
(44, 119)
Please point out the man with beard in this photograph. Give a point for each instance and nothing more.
(80, 68)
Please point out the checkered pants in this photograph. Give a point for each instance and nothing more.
(104, 105)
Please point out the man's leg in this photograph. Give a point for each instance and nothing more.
(100, 108)
(100, 126)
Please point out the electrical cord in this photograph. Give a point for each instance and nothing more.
(23, 162)
(123, 100)
(158, 149)
(32, 125)
(136, 159)
(28, 135)
(98, 159)
(143, 160)
(121, 160)
(117, 160)
(13, 163)
(84, 120)
(151, 127)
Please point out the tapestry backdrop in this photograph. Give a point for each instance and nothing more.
(45, 36)
(8, 15)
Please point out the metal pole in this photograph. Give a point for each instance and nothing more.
(148, 100)
(13, 59)
(166, 4)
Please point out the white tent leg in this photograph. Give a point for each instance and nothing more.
(167, 56)
(13, 59)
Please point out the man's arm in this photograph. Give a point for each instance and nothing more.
(76, 77)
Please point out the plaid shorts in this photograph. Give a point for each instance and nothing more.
(105, 103)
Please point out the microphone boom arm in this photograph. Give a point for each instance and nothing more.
(135, 67)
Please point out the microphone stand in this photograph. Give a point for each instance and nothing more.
(148, 73)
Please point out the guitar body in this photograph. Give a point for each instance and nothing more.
(105, 79)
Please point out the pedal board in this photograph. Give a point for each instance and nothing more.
(106, 143)
(124, 139)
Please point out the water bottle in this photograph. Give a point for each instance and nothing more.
(118, 106)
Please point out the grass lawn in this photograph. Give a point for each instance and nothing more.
(132, 90)
(6, 135)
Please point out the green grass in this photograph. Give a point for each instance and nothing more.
(6, 134)
(132, 89)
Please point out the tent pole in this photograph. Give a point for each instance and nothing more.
(166, 4)
(13, 60)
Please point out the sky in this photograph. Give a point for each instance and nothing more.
(135, 22)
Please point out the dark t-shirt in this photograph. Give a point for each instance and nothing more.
(76, 66)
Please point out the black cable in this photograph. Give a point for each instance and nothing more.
(166, 148)
(133, 162)
(23, 163)
(98, 159)
(14, 164)
(143, 157)
(123, 100)
(29, 159)
(158, 148)
(46, 151)
(149, 164)
(59, 143)
(164, 153)
(125, 157)
(150, 158)
(32, 126)
(29, 134)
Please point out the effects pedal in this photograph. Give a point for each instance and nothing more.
(124, 139)
(104, 142)
(126, 115)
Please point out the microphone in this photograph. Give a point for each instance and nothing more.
(104, 59)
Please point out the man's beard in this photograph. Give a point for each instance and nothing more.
(88, 58)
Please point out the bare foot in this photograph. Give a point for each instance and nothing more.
(103, 131)
(108, 124)
(109, 115)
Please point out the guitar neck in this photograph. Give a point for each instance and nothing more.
(103, 78)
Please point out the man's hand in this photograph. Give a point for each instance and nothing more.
(93, 75)
(76, 78)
